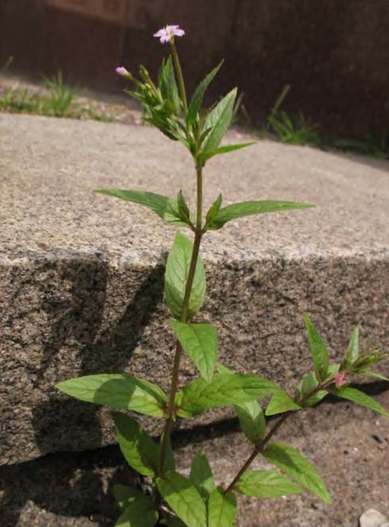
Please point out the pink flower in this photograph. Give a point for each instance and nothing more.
(168, 32)
(122, 71)
(340, 379)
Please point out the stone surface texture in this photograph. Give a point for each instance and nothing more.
(81, 275)
(74, 489)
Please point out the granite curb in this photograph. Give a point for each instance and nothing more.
(82, 275)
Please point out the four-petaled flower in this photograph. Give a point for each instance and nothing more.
(168, 32)
(122, 71)
(340, 379)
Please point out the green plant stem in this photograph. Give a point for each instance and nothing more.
(181, 83)
(199, 173)
(259, 449)
(177, 358)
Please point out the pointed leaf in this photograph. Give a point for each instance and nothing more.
(125, 495)
(352, 352)
(248, 208)
(204, 135)
(165, 208)
(368, 359)
(306, 387)
(219, 119)
(139, 450)
(297, 467)
(374, 374)
(176, 277)
(200, 342)
(266, 484)
(252, 421)
(318, 350)
(170, 464)
(207, 154)
(144, 74)
(333, 369)
(214, 209)
(182, 496)
(280, 403)
(168, 85)
(182, 207)
(201, 475)
(221, 508)
(140, 513)
(224, 390)
(352, 394)
(118, 391)
(197, 98)
(223, 369)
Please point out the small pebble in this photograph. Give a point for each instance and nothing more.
(372, 518)
(378, 438)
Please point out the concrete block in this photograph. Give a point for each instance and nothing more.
(81, 275)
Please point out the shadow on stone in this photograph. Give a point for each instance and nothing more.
(108, 352)
(76, 485)
(68, 423)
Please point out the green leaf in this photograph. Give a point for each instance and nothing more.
(374, 374)
(165, 208)
(168, 86)
(306, 386)
(297, 467)
(197, 98)
(225, 389)
(125, 495)
(219, 120)
(144, 74)
(176, 277)
(140, 513)
(117, 391)
(280, 403)
(318, 350)
(352, 352)
(248, 208)
(352, 394)
(170, 464)
(368, 359)
(183, 209)
(182, 496)
(221, 508)
(200, 342)
(204, 135)
(252, 421)
(139, 450)
(266, 484)
(214, 209)
(223, 369)
(314, 399)
(333, 369)
(207, 154)
(201, 475)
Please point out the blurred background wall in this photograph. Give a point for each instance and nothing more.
(333, 53)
